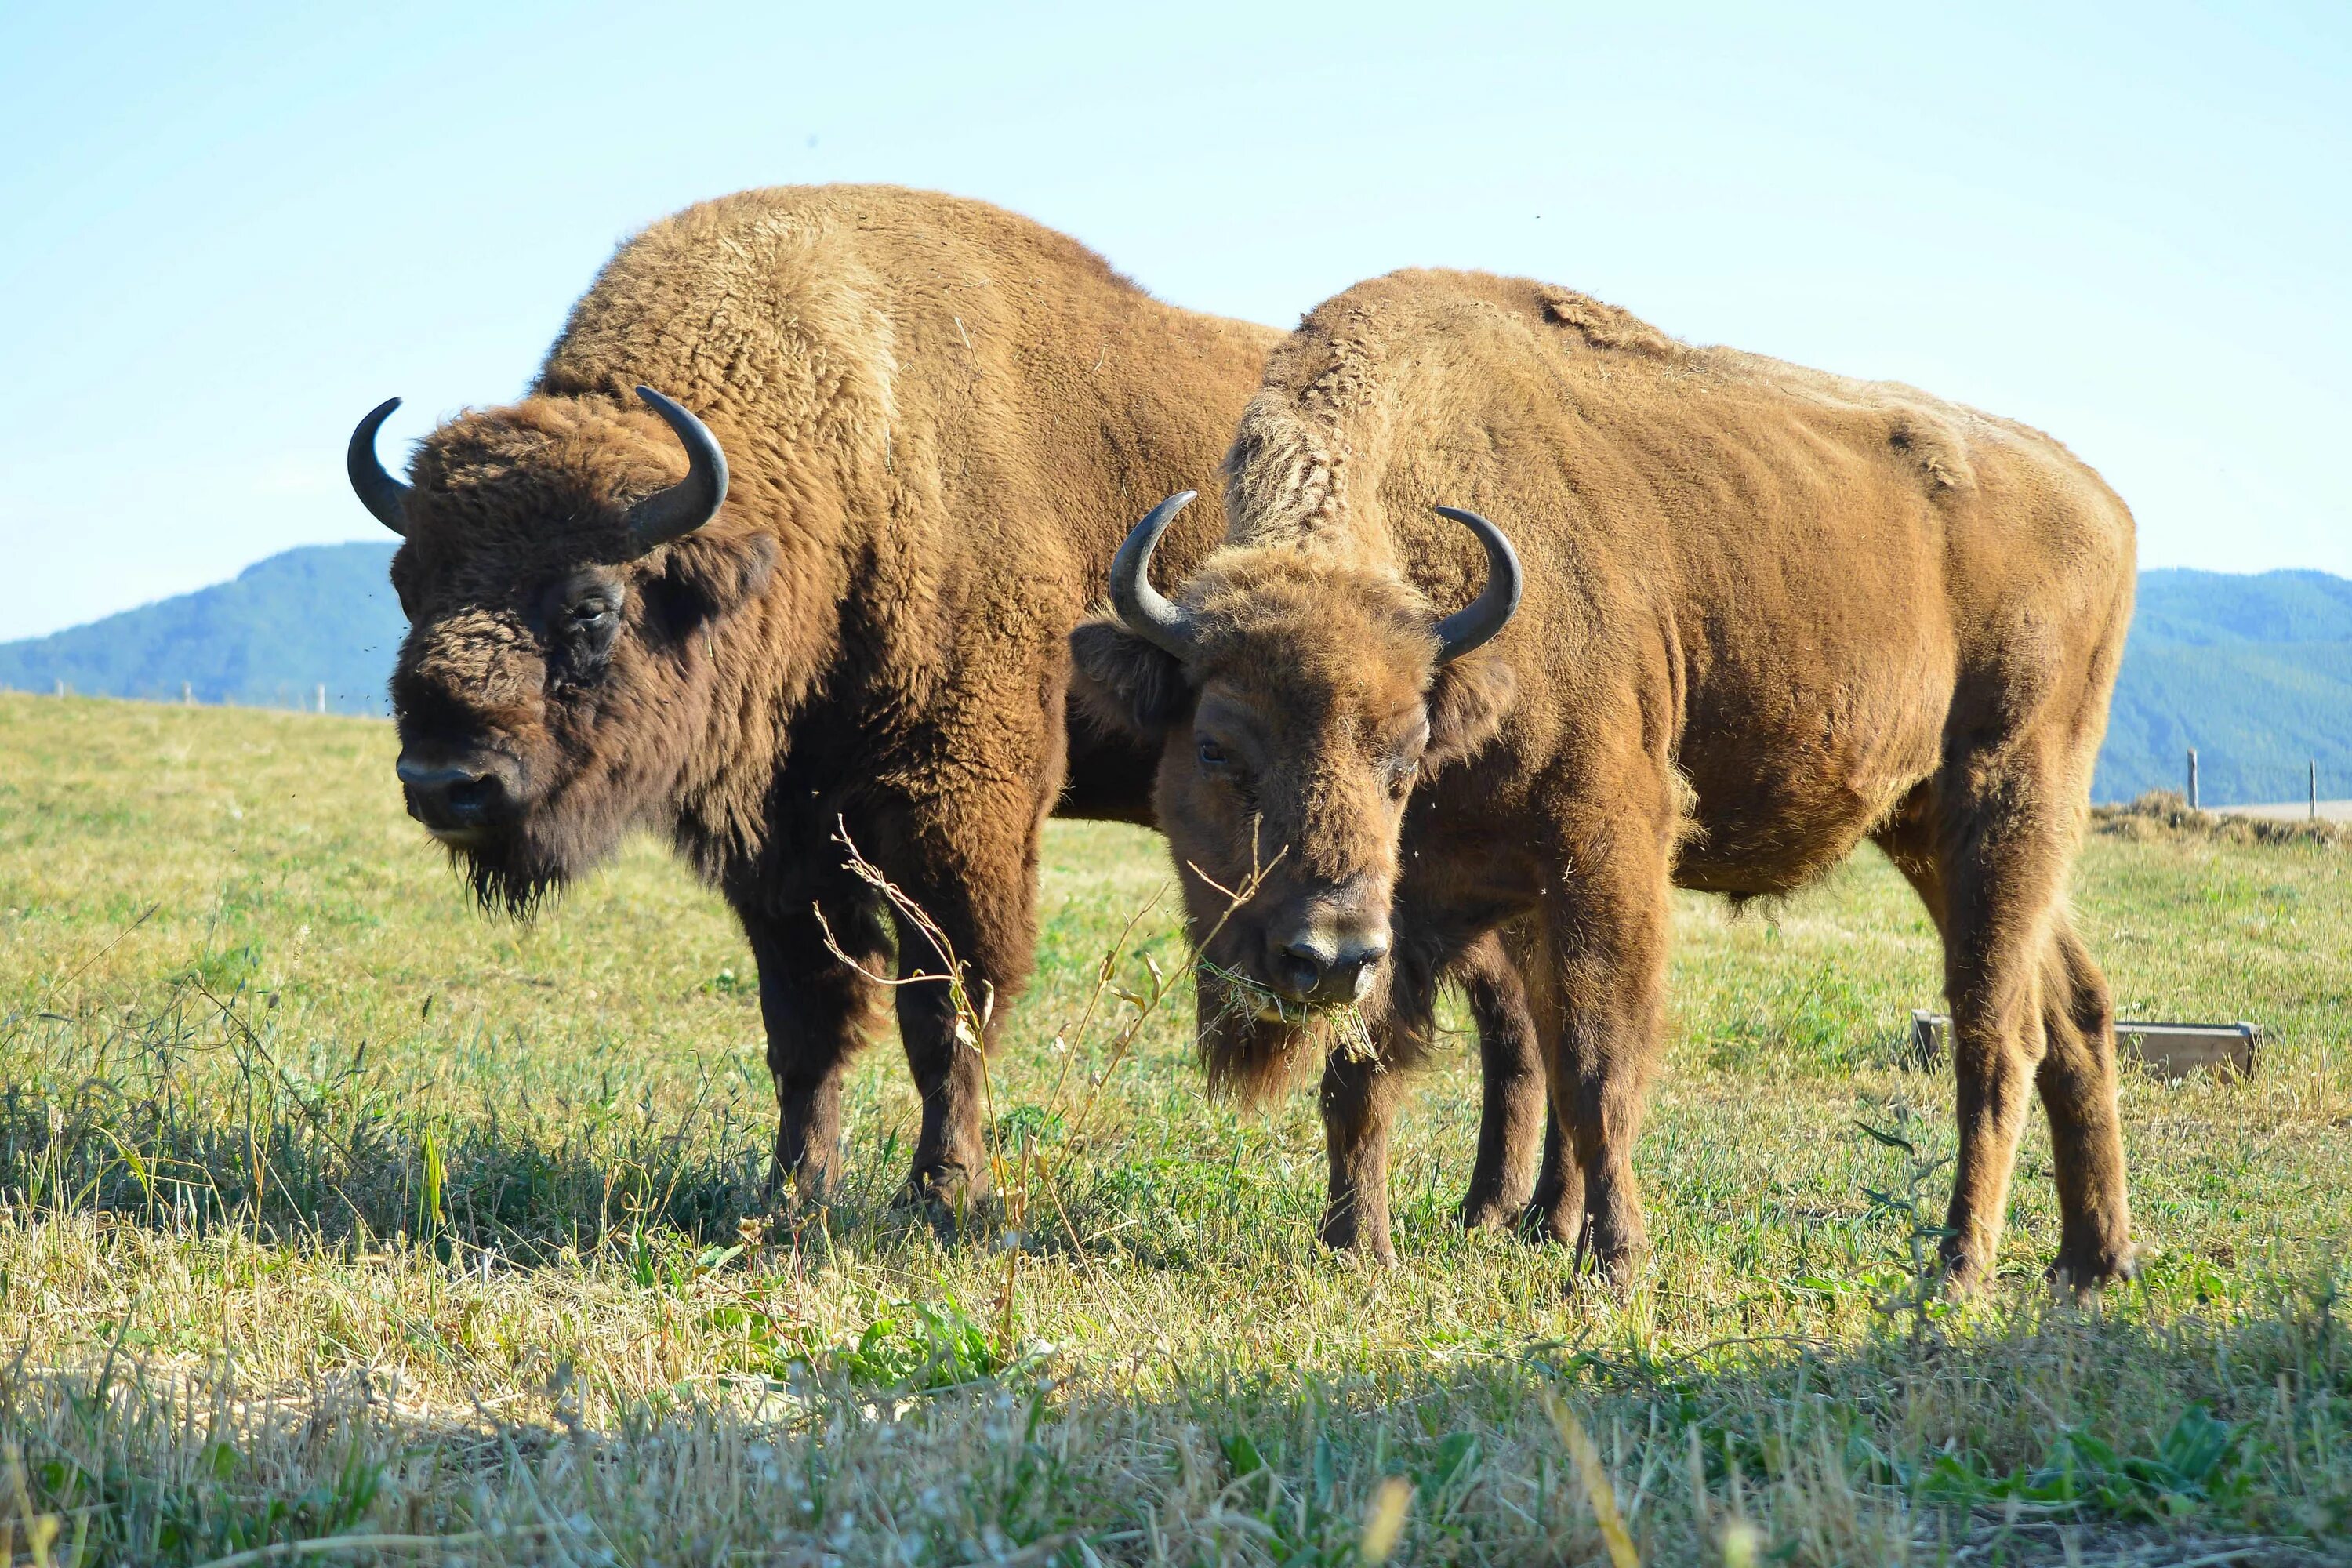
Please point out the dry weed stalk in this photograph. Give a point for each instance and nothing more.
(972, 1031)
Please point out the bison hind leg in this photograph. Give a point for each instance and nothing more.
(2077, 1082)
(1513, 1108)
(1554, 1214)
(1988, 847)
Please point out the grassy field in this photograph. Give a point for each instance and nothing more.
(331, 1208)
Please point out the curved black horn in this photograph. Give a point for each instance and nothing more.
(378, 491)
(692, 502)
(1134, 600)
(1477, 623)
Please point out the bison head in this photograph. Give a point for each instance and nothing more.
(1295, 700)
(562, 580)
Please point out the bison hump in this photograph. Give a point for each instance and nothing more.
(1607, 326)
(1936, 451)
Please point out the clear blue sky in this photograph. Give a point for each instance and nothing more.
(224, 236)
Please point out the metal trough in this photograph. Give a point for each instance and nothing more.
(2168, 1050)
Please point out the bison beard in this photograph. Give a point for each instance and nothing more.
(512, 877)
(516, 870)
(1769, 613)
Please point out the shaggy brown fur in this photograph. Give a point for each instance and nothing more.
(1769, 613)
(935, 412)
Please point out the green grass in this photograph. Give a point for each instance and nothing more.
(333, 1207)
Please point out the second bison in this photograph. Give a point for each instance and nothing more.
(1768, 612)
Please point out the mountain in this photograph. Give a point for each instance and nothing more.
(267, 638)
(2253, 671)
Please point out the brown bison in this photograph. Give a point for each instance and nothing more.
(837, 593)
(1767, 613)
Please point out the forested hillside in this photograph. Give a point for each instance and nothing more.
(324, 613)
(2253, 671)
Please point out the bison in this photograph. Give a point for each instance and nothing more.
(837, 594)
(1767, 613)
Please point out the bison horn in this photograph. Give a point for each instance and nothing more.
(1478, 622)
(378, 491)
(1134, 600)
(674, 513)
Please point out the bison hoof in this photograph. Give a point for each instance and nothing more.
(1612, 1257)
(2093, 1268)
(802, 1191)
(1490, 1212)
(1616, 1274)
(948, 1194)
(1344, 1234)
(1965, 1275)
(1545, 1224)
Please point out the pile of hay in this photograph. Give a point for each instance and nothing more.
(2162, 814)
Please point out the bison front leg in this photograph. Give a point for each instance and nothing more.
(1597, 986)
(946, 1049)
(976, 890)
(818, 1011)
(1359, 1104)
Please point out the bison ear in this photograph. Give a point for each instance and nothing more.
(1124, 683)
(706, 575)
(1466, 704)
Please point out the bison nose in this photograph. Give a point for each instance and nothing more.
(1350, 978)
(450, 796)
(1297, 968)
(1327, 971)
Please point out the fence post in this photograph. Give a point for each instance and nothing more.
(2193, 778)
(322, 696)
(187, 695)
(2315, 789)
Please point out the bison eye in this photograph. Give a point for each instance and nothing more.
(588, 626)
(586, 630)
(1213, 755)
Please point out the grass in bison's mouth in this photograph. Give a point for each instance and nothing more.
(330, 1209)
(1317, 1031)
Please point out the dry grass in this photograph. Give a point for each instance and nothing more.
(340, 1219)
(2164, 814)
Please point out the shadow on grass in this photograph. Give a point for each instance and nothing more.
(319, 1164)
(340, 1164)
(198, 1118)
(923, 1434)
(2035, 1434)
